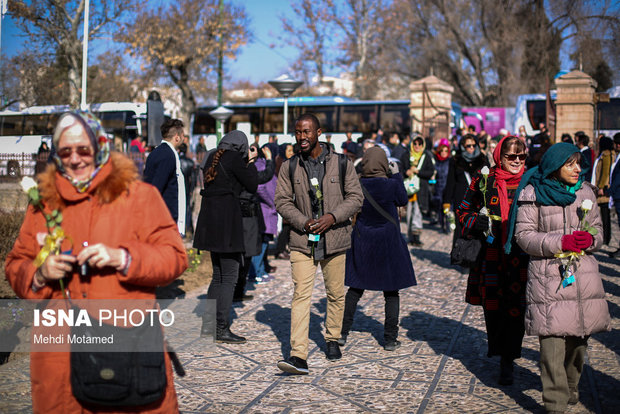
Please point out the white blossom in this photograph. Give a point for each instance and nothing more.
(587, 205)
(27, 183)
(314, 181)
(485, 170)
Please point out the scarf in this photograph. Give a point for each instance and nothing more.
(98, 139)
(467, 156)
(181, 200)
(414, 157)
(502, 179)
(549, 191)
(375, 163)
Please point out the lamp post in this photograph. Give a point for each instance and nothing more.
(221, 114)
(285, 86)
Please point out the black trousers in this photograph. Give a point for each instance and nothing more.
(392, 305)
(606, 219)
(504, 334)
(244, 268)
(225, 275)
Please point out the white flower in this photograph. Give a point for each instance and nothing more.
(27, 183)
(484, 211)
(314, 181)
(587, 205)
(484, 170)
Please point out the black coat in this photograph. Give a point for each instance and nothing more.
(425, 172)
(456, 184)
(220, 228)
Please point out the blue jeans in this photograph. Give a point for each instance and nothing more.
(257, 269)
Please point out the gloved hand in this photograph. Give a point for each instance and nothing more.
(393, 167)
(482, 223)
(583, 239)
(569, 243)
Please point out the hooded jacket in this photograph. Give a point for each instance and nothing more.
(119, 211)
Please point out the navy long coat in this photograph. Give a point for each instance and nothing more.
(378, 258)
(161, 171)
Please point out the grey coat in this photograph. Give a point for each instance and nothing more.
(294, 205)
(579, 309)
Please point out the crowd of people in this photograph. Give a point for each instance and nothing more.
(537, 211)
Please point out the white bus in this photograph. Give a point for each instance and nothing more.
(531, 111)
(21, 133)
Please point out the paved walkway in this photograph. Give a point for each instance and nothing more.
(441, 367)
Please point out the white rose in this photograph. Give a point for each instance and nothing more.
(485, 170)
(587, 205)
(27, 183)
(314, 182)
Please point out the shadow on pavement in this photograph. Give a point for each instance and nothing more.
(279, 320)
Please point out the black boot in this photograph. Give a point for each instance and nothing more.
(225, 336)
(415, 240)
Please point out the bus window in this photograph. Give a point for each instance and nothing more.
(203, 122)
(395, 118)
(11, 125)
(118, 123)
(251, 115)
(359, 118)
(36, 124)
(536, 112)
(325, 114)
(273, 123)
(609, 115)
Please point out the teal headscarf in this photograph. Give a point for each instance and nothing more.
(549, 191)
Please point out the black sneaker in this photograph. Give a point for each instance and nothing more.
(294, 365)
(333, 351)
(391, 345)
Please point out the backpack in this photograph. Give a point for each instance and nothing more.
(342, 168)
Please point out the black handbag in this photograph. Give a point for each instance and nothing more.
(119, 379)
(465, 252)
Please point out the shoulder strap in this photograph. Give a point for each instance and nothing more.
(342, 164)
(292, 165)
(378, 207)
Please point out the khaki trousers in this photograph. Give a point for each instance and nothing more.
(561, 364)
(304, 271)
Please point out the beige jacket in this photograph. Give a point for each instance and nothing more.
(293, 204)
(576, 310)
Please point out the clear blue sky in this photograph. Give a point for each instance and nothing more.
(257, 62)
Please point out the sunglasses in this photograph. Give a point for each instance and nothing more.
(82, 151)
(512, 157)
(470, 146)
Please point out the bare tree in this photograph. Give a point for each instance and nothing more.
(56, 24)
(182, 39)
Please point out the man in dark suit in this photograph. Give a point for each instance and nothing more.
(163, 170)
(587, 155)
(614, 186)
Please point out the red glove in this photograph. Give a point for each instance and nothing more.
(583, 239)
(569, 243)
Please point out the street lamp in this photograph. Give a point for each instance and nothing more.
(285, 86)
(221, 114)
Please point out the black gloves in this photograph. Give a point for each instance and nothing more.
(482, 223)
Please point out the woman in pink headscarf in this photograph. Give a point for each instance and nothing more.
(497, 281)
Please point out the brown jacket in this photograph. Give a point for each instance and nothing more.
(576, 310)
(293, 203)
(118, 210)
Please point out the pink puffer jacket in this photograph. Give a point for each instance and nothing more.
(579, 309)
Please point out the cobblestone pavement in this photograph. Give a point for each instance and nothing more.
(441, 367)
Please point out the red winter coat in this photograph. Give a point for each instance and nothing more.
(119, 211)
